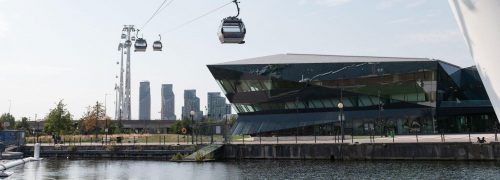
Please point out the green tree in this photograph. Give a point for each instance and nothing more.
(23, 125)
(7, 121)
(179, 124)
(94, 113)
(58, 121)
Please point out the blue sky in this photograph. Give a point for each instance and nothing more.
(66, 49)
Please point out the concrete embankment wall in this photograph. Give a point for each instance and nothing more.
(376, 151)
(113, 151)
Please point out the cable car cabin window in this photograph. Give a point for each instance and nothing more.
(157, 45)
(231, 29)
(141, 44)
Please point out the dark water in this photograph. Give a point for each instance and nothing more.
(129, 169)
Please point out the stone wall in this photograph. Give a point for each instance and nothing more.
(112, 151)
(376, 151)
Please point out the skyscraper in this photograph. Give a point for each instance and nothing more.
(217, 106)
(144, 101)
(167, 102)
(191, 103)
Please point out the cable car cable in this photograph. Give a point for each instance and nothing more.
(158, 11)
(197, 18)
(237, 7)
(154, 14)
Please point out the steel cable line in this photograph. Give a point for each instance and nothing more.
(158, 11)
(197, 18)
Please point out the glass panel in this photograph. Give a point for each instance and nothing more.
(347, 102)
(254, 85)
(291, 105)
(227, 86)
(335, 102)
(328, 103)
(301, 105)
(318, 104)
(266, 84)
(311, 105)
(231, 29)
(365, 101)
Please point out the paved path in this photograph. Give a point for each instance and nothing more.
(323, 140)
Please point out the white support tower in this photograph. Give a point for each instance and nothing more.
(123, 103)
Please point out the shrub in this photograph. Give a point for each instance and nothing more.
(177, 157)
(111, 148)
(72, 149)
(209, 156)
(198, 157)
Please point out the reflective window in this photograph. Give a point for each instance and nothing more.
(328, 103)
(231, 29)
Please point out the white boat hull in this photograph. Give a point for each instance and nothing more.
(479, 21)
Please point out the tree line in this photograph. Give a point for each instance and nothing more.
(59, 121)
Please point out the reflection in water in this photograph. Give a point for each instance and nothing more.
(130, 169)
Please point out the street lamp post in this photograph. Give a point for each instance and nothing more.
(96, 120)
(341, 117)
(192, 126)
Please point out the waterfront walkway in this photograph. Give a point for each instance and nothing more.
(473, 138)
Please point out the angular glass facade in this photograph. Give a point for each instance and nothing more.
(298, 94)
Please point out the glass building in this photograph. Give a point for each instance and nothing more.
(292, 94)
(167, 102)
(144, 101)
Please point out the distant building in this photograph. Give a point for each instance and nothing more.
(144, 101)
(191, 103)
(217, 107)
(167, 102)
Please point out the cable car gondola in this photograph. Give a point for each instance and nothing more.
(157, 45)
(232, 29)
(140, 44)
(128, 43)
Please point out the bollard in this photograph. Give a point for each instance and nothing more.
(469, 138)
(134, 140)
(243, 139)
(36, 151)
(416, 135)
(178, 140)
(90, 141)
(496, 133)
(444, 137)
